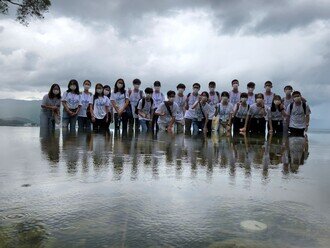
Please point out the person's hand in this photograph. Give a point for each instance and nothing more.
(162, 114)
(270, 131)
(120, 112)
(243, 130)
(170, 129)
(71, 113)
(205, 129)
(228, 127)
(93, 119)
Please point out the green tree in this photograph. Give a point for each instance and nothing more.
(25, 9)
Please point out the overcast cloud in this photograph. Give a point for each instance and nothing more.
(287, 42)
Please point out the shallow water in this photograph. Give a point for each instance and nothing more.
(94, 190)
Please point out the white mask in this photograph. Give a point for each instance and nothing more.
(250, 90)
(157, 88)
(235, 86)
(195, 91)
(106, 92)
(212, 89)
(86, 87)
(277, 102)
(136, 86)
(259, 100)
(288, 92)
(268, 88)
(181, 91)
(171, 99)
(99, 91)
(56, 92)
(204, 98)
(120, 85)
(224, 99)
(148, 95)
(243, 99)
(297, 99)
(73, 87)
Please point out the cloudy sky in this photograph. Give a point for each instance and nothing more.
(287, 42)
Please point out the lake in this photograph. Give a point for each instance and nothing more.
(105, 190)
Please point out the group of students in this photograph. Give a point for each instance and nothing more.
(149, 111)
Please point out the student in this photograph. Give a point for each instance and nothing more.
(167, 112)
(145, 110)
(214, 99)
(84, 123)
(107, 93)
(255, 122)
(288, 96)
(240, 113)
(234, 94)
(134, 96)
(158, 97)
(99, 109)
(275, 115)
(299, 113)
(120, 101)
(190, 113)
(250, 88)
(71, 102)
(268, 95)
(224, 110)
(50, 108)
(202, 110)
(180, 100)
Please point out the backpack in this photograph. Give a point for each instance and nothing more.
(136, 111)
(303, 104)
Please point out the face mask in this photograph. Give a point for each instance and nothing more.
(243, 99)
(106, 92)
(259, 100)
(171, 99)
(181, 91)
(288, 92)
(268, 88)
(277, 102)
(224, 99)
(73, 87)
(204, 98)
(56, 92)
(120, 86)
(195, 90)
(157, 88)
(86, 87)
(99, 91)
(250, 90)
(136, 86)
(235, 86)
(148, 95)
(297, 99)
(212, 89)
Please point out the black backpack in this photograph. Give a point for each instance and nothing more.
(136, 111)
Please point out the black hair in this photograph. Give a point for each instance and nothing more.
(296, 93)
(180, 86)
(251, 85)
(157, 84)
(51, 94)
(96, 95)
(196, 85)
(205, 93)
(268, 82)
(212, 83)
(148, 90)
(137, 81)
(234, 81)
(244, 95)
(288, 87)
(122, 90)
(87, 81)
(273, 108)
(107, 87)
(73, 82)
(259, 95)
(170, 93)
(225, 93)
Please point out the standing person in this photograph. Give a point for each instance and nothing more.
(167, 112)
(234, 94)
(180, 100)
(190, 113)
(240, 113)
(134, 96)
(214, 99)
(50, 108)
(71, 102)
(225, 111)
(84, 123)
(107, 93)
(99, 109)
(250, 89)
(145, 110)
(268, 95)
(299, 115)
(287, 99)
(202, 109)
(276, 114)
(119, 100)
(158, 97)
(255, 122)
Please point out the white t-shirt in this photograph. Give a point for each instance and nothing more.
(286, 102)
(167, 117)
(85, 100)
(297, 116)
(241, 111)
(72, 100)
(213, 101)
(251, 99)
(181, 101)
(46, 101)
(206, 110)
(274, 116)
(158, 98)
(191, 113)
(256, 112)
(99, 107)
(134, 98)
(120, 99)
(225, 110)
(146, 109)
(268, 99)
(234, 97)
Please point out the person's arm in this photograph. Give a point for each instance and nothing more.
(307, 122)
(246, 123)
(115, 106)
(195, 104)
(91, 110)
